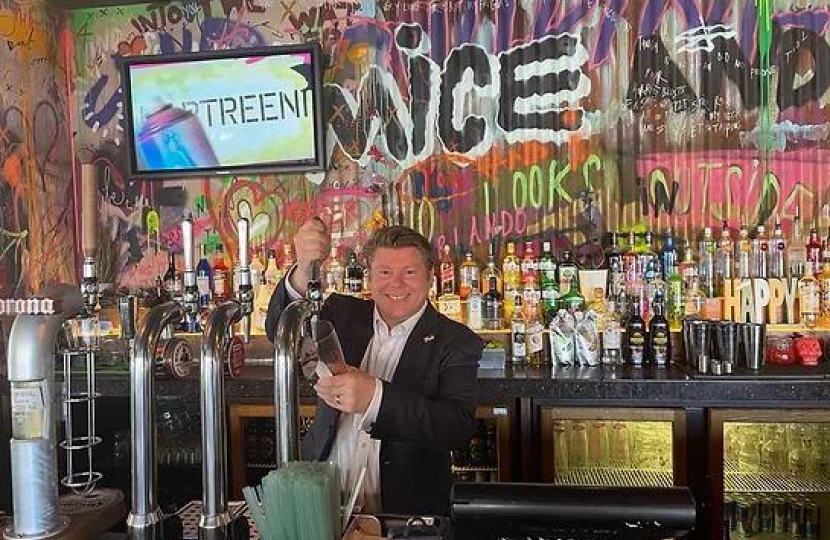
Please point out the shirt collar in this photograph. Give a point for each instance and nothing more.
(403, 328)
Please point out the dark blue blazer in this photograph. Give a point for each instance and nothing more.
(427, 409)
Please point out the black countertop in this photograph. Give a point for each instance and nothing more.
(643, 387)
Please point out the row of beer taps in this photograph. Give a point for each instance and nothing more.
(32, 344)
(145, 517)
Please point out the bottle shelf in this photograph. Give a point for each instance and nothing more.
(736, 481)
(614, 477)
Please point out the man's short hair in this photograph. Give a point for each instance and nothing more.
(398, 236)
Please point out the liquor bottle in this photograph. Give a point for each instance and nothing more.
(647, 259)
(531, 298)
(511, 272)
(724, 259)
(257, 270)
(612, 253)
(694, 300)
(668, 253)
(449, 304)
(433, 289)
(548, 283)
(659, 336)
(743, 255)
(568, 270)
(760, 253)
(797, 250)
(273, 273)
(354, 276)
(335, 272)
(654, 286)
(529, 264)
(493, 311)
(267, 285)
(364, 264)
(809, 296)
(446, 272)
(288, 258)
(776, 267)
(675, 300)
(599, 306)
(635, 330)
(492, 268)
(535, 335)
(221, 278)
(172, 279)
(824, 292)
(612, 337)
(475, 307)
(159, 294)
(629, 259)
(469, 273)
(571, 300)
(706, 263)
(204, 277)
(518, 332)
(813, 253)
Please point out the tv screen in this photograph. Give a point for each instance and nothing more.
(225, 112)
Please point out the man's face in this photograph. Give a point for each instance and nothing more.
(399, 281)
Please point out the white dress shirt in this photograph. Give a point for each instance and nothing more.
(353, 448)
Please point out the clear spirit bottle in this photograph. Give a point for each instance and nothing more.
(468, 273)
(518, 333)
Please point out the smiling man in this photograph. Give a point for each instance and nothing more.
(409, 395)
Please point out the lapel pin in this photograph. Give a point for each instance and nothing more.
(428, 338)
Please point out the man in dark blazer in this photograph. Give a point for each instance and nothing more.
(414, 399)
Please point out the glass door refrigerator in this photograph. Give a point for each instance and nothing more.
(487, 458)
(774, 477)
(625, 447)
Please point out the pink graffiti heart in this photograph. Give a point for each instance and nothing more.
(253, 205)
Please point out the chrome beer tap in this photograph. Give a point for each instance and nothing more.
(215, 521)
(295, 324)
(151, 354)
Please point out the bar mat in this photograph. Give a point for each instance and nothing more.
(189, 515)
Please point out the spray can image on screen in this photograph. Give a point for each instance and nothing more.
(173, 138)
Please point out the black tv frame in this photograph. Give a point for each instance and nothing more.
(319, 163)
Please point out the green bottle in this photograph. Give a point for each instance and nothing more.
(549, 285)
(675, 299)
(572, 300)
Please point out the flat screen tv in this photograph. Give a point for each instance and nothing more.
(224, 112)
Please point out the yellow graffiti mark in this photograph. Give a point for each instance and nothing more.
(23, 32)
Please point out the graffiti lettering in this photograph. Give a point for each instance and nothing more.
(540, 85)
(162, 13)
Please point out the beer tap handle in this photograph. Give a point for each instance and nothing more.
(89, 234)
(187, 243)
(245, 292)
(315, 289)
(191, 292)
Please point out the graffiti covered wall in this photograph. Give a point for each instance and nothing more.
(481, 119)
(36, 227)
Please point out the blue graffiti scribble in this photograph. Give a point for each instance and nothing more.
(92, 115)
